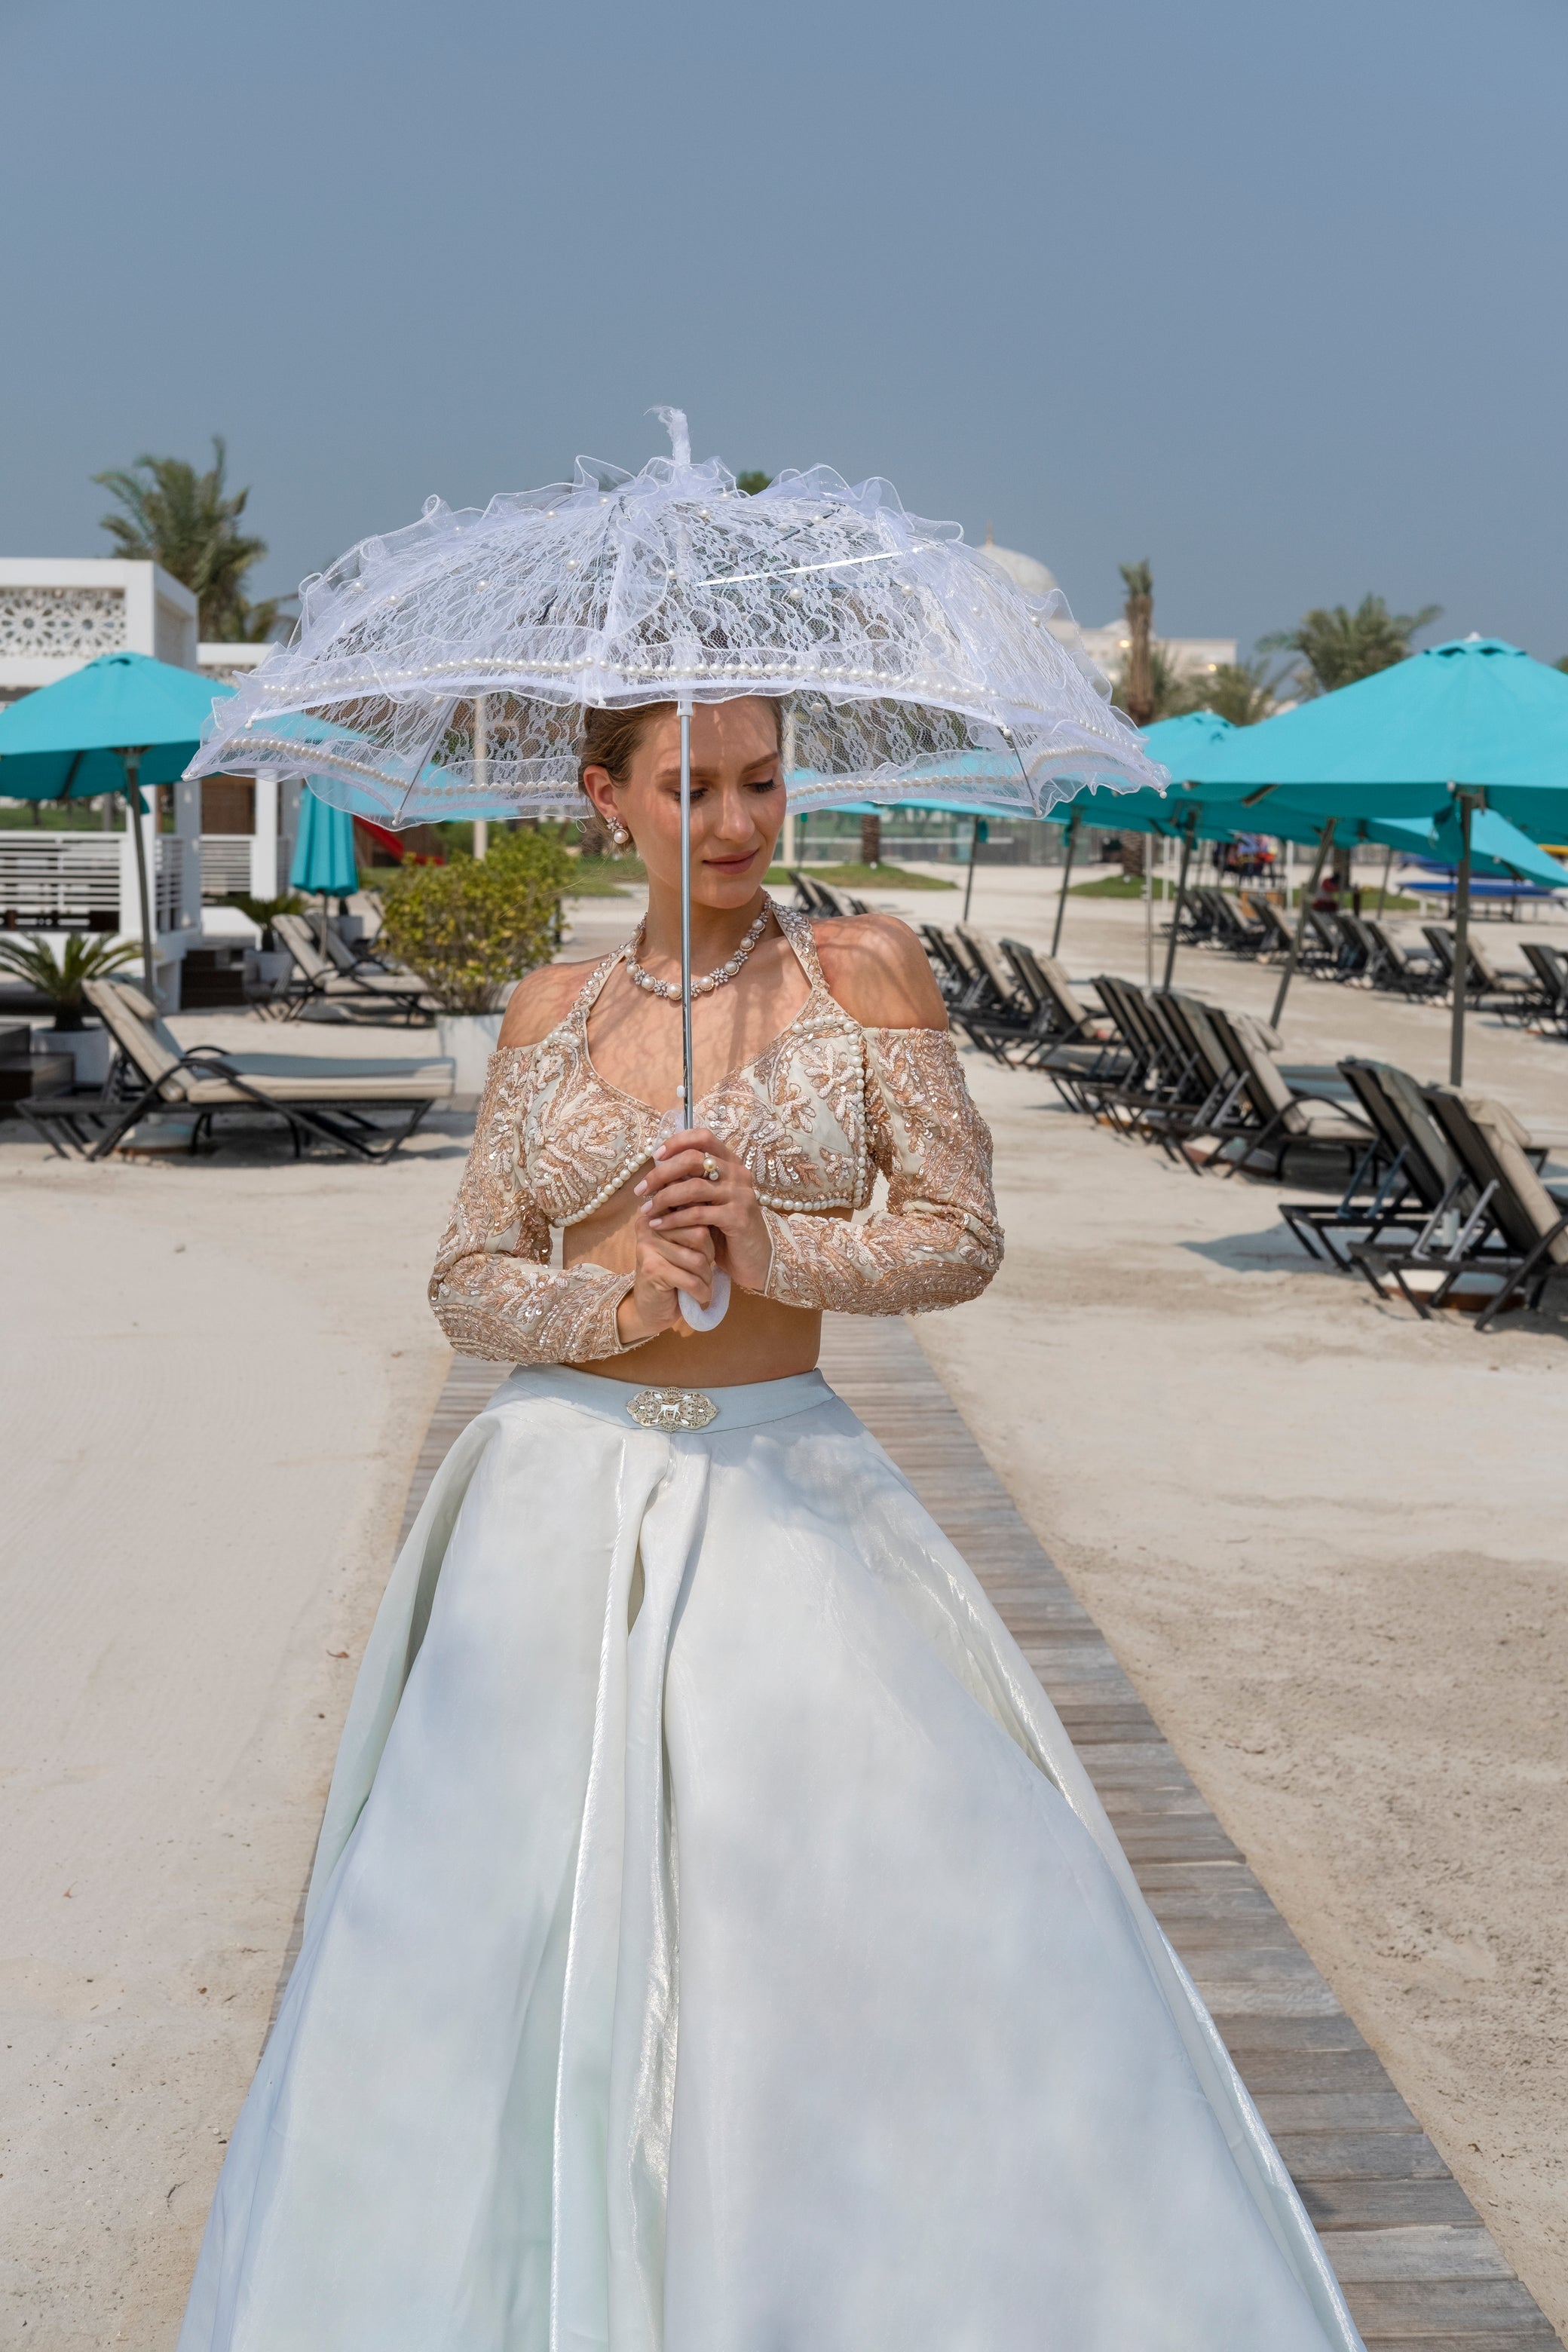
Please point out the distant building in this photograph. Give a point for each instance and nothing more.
(229, 833)
(1192, 657)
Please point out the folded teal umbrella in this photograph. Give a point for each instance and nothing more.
(116, 724)
(324, 850)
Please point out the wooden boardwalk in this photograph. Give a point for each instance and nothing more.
(1419, 2270)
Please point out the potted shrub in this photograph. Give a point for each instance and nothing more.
(470, 929)
(61, 980)
(268, 968)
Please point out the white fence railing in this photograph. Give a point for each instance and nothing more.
(226, 864)
(87, 881)
(69, 877)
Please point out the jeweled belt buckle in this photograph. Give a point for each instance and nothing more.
(672, 1409)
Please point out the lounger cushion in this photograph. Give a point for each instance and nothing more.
(1506, 1139)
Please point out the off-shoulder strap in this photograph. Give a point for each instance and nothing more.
(797, 930)
(587, 996)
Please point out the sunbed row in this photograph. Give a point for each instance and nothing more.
(1440, 1184)
(1200, 1081)
(1362, 948)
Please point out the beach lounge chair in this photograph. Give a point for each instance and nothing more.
(362, 961)
(1007, 1014)
(810, 895)
(1549, 966)
(390, 995)
(1411, 971)
(1156, 1090)
(1289, 1110)
(1501, 991)
(951, 976)
(1342, 948)
(1516, 1230)
(1232, 930)
(320, 1099)
(1408, 1171)
(1064, 1014)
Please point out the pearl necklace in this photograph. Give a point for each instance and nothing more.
(669, 989)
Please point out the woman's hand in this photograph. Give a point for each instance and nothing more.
(666, 1265)
(699, 1188)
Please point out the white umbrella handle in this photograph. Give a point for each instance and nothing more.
(708, 1319)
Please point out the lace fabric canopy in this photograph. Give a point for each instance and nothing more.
(441, 671)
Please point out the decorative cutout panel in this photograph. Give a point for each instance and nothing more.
(61, 623)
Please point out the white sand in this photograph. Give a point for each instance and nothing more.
(1325, 1540)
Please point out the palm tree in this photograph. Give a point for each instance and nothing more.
(1338, 647)
(1138, 681)
(1240, 691)
(751, 483)
(183, 521)
(1170, 691)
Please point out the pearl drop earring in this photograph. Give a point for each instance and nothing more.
(619, 835)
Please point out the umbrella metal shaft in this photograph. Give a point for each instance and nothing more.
(1461, 942)
(688, 1093)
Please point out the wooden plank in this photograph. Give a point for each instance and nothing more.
(1365, 2257)
(1421, 2273)
(1432, 2309)
(1339, 2207)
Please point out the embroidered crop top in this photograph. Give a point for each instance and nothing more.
(815, 1117)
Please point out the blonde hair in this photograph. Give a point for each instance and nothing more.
(609, 737)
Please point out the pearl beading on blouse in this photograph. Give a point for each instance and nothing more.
(824, 1109)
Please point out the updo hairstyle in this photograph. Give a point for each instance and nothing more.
(609, 737)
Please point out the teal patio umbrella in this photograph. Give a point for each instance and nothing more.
(116, 724)
(1187, 746)
(1497, 847)
(324, 853)
(1468, 726)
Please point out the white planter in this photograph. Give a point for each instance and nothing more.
(470, 1038)
(89, 1049)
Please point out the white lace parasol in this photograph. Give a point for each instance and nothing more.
(441, 671)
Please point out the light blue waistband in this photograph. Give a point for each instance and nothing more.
(741, 1407)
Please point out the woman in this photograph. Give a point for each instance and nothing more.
(714, 1943)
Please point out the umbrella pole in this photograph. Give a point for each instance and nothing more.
(1461, 943)
(686, 1095)
(1149, 911)
(131, 762)
(1307, 895)
(700, 1319)
(969, 878)
(1181, 900)
(1066, 877)
(1382, 886)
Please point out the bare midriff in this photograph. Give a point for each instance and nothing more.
(757, 1340)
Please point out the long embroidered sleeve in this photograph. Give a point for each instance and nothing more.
(493, 1290)
(937, 1242)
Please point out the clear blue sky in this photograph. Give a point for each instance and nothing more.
(1272, 295)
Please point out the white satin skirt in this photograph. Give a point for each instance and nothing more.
(715, 1946)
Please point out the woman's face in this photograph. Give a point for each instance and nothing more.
(737, 799)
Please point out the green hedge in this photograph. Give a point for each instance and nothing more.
(469, 927)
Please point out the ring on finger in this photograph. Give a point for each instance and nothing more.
(710, 1169)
